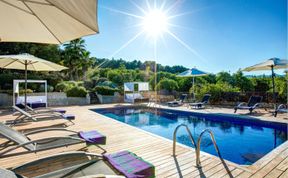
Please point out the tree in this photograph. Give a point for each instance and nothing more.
(73, 57)
(224, 77)
(242, 82)
(167, 84)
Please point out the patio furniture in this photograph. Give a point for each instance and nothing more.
(43, 110)
(122, 163)
(23, 115)
(282, 108)
(21, 140)
(201, 104)
(178, 102)
(133, 92)
(252, 104)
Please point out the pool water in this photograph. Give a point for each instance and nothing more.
(240, 140)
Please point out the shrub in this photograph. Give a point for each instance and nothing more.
(105, 90)
(167, 84)
(76, 91)
(216, 90)
(108, 84)
(22, 92)
(62, 86)
(65, 85)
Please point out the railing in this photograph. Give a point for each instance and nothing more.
(198, 162)
(174, 137)
(197, 147)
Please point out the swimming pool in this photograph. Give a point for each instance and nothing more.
(240, 140)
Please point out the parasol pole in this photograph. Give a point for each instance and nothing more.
(273, 85)
(193, 89)
(26, 63)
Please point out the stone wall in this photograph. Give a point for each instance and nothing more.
(54, 99)
(106, 99)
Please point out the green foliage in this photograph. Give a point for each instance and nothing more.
(224, 77)
(160, 76)
(22, 91)
(167, 84)
(105, 90)
(216, 90)
(108, 84)
(64, 86)
(76, 91)
(281, 88)
(242, 82)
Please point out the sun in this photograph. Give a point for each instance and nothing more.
(155, 23)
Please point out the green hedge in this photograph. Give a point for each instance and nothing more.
(105, 90)
(167, 84)
(76, 91)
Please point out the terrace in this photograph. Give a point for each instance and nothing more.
(152, 148)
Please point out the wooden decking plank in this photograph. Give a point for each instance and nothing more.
(283, 165)
(152, 148)
(233, 173)
(274, 173)
(284, 174)
(272, 165)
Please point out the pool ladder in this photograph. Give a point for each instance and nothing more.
(197, 147)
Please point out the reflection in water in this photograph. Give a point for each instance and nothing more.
(239, 141)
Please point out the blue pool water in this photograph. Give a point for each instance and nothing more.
(240, 140)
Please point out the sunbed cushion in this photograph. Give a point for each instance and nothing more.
(68, 116)
(130, 165)
(244, 107)
(93, 137)
(62, 111)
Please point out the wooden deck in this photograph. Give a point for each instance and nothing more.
(152, 148)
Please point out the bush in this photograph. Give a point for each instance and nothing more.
(105, 90)
(216, 90)
(61, 87)
(64, 86)
(76, 91)
(22, 92)
(167, 84)
(108, 84)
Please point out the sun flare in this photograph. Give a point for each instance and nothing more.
(155, 23)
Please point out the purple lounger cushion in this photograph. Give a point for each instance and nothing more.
(130, 165)
(62, 111)
(68, 116)
(93, 137)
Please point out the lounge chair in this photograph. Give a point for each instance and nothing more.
(21, 140)
(252, 104)
(178, 102)
(281, 108)
(201, 104)
(82, 164)
(23, 115)
(44, 110)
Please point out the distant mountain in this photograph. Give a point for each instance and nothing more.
(137, 64)
(263, 76)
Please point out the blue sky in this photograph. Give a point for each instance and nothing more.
(219, 35)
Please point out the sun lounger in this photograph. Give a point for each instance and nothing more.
(123, 163)
(282, 108)
(252, 104)
(44, 110)
(21, 140)
(201, 104)
(178, 102)
(35, 117)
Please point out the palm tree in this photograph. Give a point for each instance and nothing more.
(73, 55)
(86, 63)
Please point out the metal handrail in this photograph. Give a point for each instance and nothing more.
(174, 137)
(198, 162)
